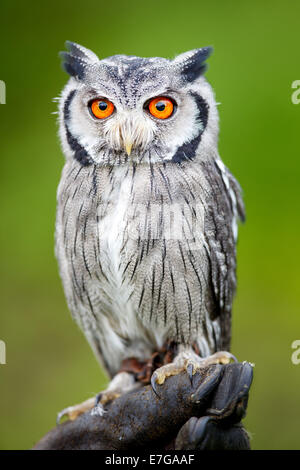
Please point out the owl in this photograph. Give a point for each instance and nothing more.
(147, 216)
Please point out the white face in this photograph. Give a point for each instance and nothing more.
(124, 108)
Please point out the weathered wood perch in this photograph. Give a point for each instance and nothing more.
(205, 414)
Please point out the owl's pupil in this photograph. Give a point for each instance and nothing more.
(160, 106)
(102, 106)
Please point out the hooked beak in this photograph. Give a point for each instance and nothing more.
(128, 146)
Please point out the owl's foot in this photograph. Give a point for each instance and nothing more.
(123, 382)
(190, 362)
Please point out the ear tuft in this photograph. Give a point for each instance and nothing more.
(192, 63)
(77, 59)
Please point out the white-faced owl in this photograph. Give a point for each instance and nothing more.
(147, 214)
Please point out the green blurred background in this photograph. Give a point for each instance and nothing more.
(256, 59)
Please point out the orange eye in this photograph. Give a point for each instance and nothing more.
(102, 108)
(161, 107)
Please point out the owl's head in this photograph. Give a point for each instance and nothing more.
(144, 109)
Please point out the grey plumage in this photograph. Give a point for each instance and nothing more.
(146, 242)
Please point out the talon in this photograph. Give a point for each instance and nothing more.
(61, 414)
(153, 383)
(225, 357)
(234, 358)
(98, 399)
(190, 371)
(98, 409)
